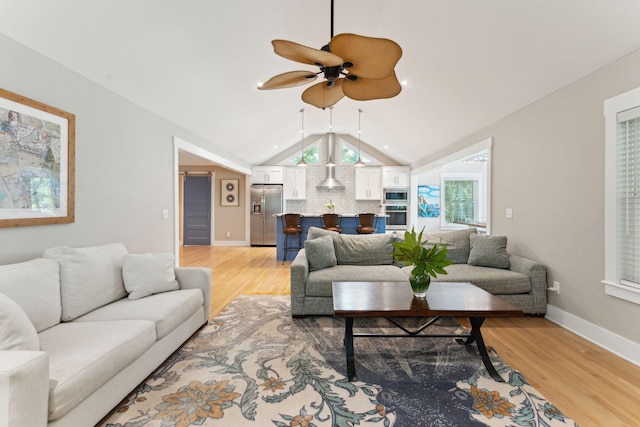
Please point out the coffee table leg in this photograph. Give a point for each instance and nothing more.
(476, 323)
(348, 344)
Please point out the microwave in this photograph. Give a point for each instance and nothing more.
(396, 196)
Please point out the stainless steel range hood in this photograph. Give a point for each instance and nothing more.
(330, 182)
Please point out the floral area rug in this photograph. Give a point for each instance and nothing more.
(254, 365)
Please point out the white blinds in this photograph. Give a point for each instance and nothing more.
(628, 196)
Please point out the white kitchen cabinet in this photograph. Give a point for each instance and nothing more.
(395, 176)
(295, 183)
(267, 175)
(368, 183)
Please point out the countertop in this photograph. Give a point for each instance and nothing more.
(318, 215)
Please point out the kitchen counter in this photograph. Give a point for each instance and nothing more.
(348, 224)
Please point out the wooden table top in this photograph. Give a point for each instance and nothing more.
(395, 299)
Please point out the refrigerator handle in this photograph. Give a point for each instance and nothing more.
(264, 203)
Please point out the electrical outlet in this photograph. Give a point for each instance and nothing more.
(228, 234)
(555, 288)
(509, 213)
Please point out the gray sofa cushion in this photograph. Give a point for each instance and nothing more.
(320, 253)
(356, 249)
(488, 251)
(319, 282)
(457, 241)
(493, 280)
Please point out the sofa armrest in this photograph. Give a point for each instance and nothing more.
(24, 388)
(197, 278)
(537, 275)
(299, 274)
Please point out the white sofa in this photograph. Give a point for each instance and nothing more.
(82, 327)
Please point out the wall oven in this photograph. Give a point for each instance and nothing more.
(396, 196)
(396, 216)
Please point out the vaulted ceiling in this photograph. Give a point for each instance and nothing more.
(466, 63)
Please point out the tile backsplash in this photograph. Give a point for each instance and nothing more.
(344, 199)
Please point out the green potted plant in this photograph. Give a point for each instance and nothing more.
(427, 261)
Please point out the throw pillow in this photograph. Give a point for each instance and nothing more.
(148, 274)
(17, 332)
(89, 277)
(488, 251)
(320, 253)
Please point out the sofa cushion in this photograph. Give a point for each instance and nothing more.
(496, 281)
(358, 249)
(320, 253)
(319, 283)
(89, 277)
(167, 310)
(35, 286)
(457, 243)
(85, 355)
(488, 251)
(148, 274)
(17, 331)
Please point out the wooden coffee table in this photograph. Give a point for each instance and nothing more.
(395, 299)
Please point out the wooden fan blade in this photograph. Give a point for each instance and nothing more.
(322, 96)
(366, 89)
(306, 55)
(290, 79)
(372, 58)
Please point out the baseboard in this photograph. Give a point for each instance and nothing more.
(604, 338)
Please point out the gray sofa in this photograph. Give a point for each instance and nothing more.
(82, 327)
(481, 260)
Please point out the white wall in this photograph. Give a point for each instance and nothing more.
(548, 166)
(124, 162)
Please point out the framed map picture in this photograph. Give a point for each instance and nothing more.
(37, 155)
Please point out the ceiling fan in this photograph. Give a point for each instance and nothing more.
(358, 67)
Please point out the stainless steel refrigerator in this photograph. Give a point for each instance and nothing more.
(266, 200)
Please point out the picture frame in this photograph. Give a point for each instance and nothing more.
(428, 201)
(229, 192)
(37, 162)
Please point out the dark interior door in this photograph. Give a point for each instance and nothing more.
(197, 210)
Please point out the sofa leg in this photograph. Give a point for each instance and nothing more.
(298, 316)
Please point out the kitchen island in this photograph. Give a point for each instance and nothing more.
(348, 224)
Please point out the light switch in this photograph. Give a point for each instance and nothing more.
(165, 214)
(509, 213)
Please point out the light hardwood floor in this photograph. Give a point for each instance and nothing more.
(587, 383)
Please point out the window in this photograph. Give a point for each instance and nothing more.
(462, 198)
(311, 155)
(350, 155)
(622, 196)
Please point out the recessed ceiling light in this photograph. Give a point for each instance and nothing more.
(404, 82)
(386, 146)
(259, 84)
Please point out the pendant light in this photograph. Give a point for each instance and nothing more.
(302, 163)
(330, 162)
(359, 163)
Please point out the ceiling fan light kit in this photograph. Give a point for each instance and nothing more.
(358, 67)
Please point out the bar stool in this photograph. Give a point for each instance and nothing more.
(366, 223)
(331, 221)
(291, 227)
